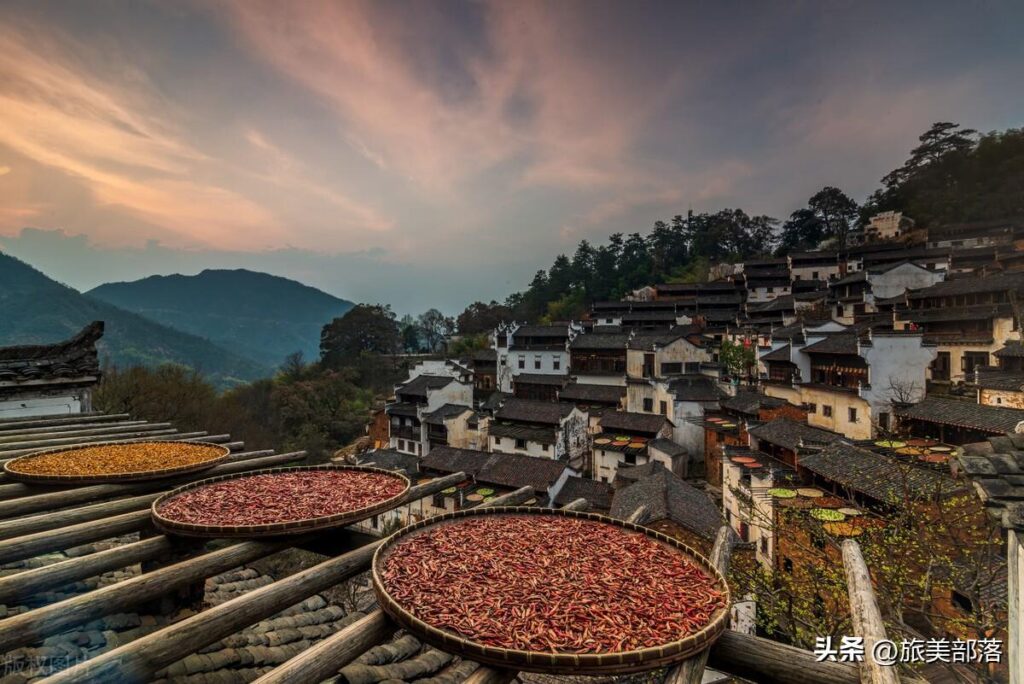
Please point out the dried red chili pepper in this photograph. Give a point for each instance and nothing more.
(550, 583)
(281, 497)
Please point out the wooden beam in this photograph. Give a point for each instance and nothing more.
(118, 429)
(18, 527)
(639, 515)
(86, 439)
(69, 419)
(692, 670)
(324, 659)
(32, 545)
(865, 616)
(770, 662)
(159, 435)
(579, 504)
(73, 497)
(59, 430)
(490, 675)
(15, 589)
(145, 656)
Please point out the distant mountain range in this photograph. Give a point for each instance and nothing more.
(35, 309)
(256, 315)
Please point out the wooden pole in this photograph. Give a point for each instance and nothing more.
(143, 657)
(81, 428)
(160, 435)
(865, 616)
(32, 545)
(92, 416)
(324, 659)
(638, 516)
(15, 589)
(73, 497)
(579, 504)
(692, 671)
(490, 675)
(19, 527)
(62, 441)
(769, 662)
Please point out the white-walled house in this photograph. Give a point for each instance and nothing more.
(418, 397)
(54, 379)
(664, 354)
(542, 429)
(622, 439)
(535, 349)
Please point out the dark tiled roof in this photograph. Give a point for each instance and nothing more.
(997, 470)
(555, 330)
(965, 414)
(790, 434)
(644, 423)
(695, 388)
(1005, 282)
(516, 470)
(389, 459)
(401, 409)
(667, 446)
(879, 476)
(446, 459)
(783, 303)
(598, 494)
(858, 277)
(780, 354)
(600, 341)
(751, 402)
(1011, 350)
(505, 470)
(583, 393)
(70, 360)
(447, 411)
(531, 411)
(1001, 380)
(485, 355)
(540, 379)
(648, 341)
(418, 386)
(541, 435)
(669, 498)
(842, 343)
(958, 313)
(494, 401)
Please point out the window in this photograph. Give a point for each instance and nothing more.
(744, 531)
(664, 408)
(536, 361)
(812, 408)
(497, 441)
(556, 363)
(962, 602)
(814, 275)
(764, 545)
(522, 361)
(520, 444)
(648, 405)
(671, 368)
(852, 414)
(787, 564)
(883, 420)
(771, 289)
(375, 522)
(629, 459)
(826, 411)
(543, 447)
(693, 366)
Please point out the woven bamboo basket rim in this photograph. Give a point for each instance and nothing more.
(223, 453)
(623, 662)
(290, 527)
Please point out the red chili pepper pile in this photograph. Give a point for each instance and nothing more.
(550, 584)
(281, 497)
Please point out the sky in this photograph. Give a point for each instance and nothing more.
(430, 154)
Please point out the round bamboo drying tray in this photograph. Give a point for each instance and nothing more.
(624, 662)
(274, 529)
(218, 454)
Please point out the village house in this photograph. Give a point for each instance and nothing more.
(419, 396)
(766, 279)
(957, 421)
(37, 380)
(848, 381)
(453, 425)
(968, 320)
(663, 354)
(598, 494)
(593, 398)
(747, 476)
(1004, 384)
(484, 363)
(542, 429)
(786, 440)
(888, 225)
(621, 439)
(814, 266)
(538, 386)
(674, 507)
(865, 291)
(599, 358)
(488, 475)
(536, 349)
(682, 399)
(975, 234)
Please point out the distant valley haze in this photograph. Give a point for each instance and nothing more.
(432, 154)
